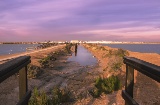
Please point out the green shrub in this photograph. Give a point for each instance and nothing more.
(116, 65)
(116, 58)
(44, 61)
(39, 98)
(106, 85)
(58, 96)
(33, 71)
(95, 92)
(68, 48)
(121, 53)
(118, 53)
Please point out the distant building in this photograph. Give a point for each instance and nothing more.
(61, 41)
(74, 41)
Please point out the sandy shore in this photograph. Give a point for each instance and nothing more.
(11, 56)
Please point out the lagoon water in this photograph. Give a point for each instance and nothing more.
(83, 57)
(14, 48)
(144, 48)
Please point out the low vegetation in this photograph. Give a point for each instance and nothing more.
(115, 56)
(44, 62)
(57, 97)
(106, 85)
(48, 44)
(117, 53)
(33, 71)
(116, 59)
(39, 98)
(68, 48)
(60, 96)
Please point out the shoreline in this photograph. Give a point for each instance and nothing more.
(11, 56)
(128, 43)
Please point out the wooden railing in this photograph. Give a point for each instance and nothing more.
(13, 66)
(148, 69)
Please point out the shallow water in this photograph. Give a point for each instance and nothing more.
(144, 48)
(83, 57)
(14, 48)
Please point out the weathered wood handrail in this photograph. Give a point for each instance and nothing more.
(150, 70)
(13, 66)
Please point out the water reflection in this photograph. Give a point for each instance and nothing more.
(82, 56)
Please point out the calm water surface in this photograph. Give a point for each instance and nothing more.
(145, 48)
(14, 48)
(83, 57)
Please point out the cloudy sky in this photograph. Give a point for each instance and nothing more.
(116, 20)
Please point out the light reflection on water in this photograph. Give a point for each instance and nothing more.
(83, 57)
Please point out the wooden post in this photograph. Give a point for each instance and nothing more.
(76, 49)
(129, 81)
(23, 85)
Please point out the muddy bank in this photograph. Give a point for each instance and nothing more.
(68, 75)
(146, 91)
(56, 72)
(9, 88)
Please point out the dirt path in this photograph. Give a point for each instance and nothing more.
(76, 78)
(69, 75)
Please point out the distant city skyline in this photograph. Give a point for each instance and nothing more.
(55, 20)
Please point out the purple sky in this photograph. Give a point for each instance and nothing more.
(116, 20)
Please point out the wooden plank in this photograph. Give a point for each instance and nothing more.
(129, 81)
(23, 85)
(25, 99)
(13, 71)
(12, 64)
(128, 99)
(150, 70)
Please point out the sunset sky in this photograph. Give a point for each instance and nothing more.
(115, 20)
